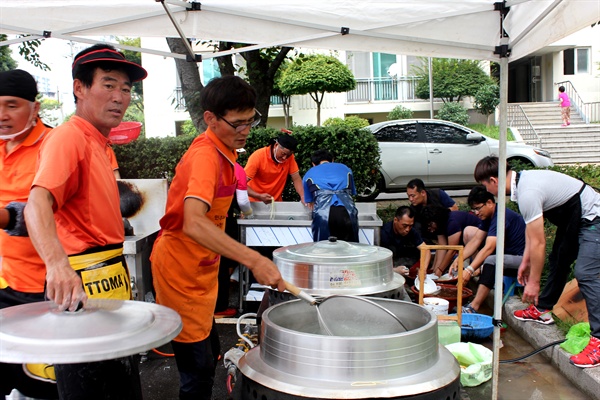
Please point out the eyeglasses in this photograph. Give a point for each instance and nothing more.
(241, 127)
(477, 209)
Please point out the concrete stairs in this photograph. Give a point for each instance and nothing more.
(578, 143)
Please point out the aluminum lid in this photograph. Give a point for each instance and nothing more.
(39, 332)
(332, 251)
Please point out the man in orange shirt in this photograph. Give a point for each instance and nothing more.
(185, 258)
(267, 170)
(73, 215)
(22, 272)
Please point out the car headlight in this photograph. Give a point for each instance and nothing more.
(541, 152)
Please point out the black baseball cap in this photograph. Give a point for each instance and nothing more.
(18, 83)
(134, 71)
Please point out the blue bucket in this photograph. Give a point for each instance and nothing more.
(476, 327)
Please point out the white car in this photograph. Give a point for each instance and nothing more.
(441, 153)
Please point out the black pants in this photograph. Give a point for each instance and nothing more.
(197, 363)
(232, 230)
(340, 224)
(117, 379)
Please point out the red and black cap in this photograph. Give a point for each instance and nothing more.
(135, 71)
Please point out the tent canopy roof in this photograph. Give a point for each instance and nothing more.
(437, 28)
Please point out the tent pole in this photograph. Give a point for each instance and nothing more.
(193, 56)
(501, 222)
(430, 90)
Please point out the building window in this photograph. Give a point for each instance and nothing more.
(576, 61)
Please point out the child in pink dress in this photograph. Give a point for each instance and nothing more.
(565, 106)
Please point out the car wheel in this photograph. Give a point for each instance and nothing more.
(371, 193)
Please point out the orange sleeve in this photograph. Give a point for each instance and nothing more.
(293, 168)
(59, 178)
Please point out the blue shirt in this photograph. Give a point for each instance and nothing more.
(459, 220)
(328, 176)
(514, 232)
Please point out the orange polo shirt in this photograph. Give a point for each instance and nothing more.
(267, 176)
(185, 274)
(74, 167)
(112, 157)
(21, 269)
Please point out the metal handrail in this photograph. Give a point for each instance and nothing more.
(369, 90)
(590, 112)
(518, 119)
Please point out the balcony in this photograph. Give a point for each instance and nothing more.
(383, 89)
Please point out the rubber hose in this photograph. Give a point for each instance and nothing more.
(532, 353)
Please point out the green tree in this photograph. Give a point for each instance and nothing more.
(487, 99)
(453, 78)
(47, 108)
(261, 67)
(135, 112)
(285, 99)
(316, 75)
(6, 61)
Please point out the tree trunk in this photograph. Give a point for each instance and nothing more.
(191, 86)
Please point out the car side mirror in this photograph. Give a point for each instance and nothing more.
(475, 137)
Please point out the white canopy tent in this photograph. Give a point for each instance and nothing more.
(500, 31)
(436, 28)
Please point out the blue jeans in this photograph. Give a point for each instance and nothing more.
(587, 271)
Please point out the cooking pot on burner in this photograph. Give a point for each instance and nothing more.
(296, 357)
(337, 267)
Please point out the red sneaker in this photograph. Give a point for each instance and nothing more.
(589, 357)
(532, 313)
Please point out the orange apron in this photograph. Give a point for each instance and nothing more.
(185, 274)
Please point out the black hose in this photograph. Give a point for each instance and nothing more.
(532, 353)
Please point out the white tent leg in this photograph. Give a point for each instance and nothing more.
(501, 223)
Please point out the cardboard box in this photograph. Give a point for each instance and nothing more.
(571, 304)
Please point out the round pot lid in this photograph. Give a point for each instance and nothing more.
(332, 251)
(39, 332)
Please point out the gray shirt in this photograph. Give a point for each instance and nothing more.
(540, 190)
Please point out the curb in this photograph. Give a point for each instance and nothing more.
(538, 335)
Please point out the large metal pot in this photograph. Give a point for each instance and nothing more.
(296, 358)
(338, 267)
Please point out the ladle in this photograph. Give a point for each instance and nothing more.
(348, 315)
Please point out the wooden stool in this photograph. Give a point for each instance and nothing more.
(459, 293)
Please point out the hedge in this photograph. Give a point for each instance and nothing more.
(156, 158)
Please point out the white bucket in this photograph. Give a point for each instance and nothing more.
(437, 305)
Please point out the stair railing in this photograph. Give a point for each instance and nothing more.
(590, 112)
(518, 119)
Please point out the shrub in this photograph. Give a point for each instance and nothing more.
(453, 112)
(351, 121)
(151, 158)
(156, 158)
(400, 112)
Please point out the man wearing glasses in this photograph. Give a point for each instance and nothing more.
(484, 206)
(186, 256)
(268, 168)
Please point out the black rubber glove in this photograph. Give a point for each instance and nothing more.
(16, 226)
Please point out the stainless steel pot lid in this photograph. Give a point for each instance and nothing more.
(332, 251)
(39, 332)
